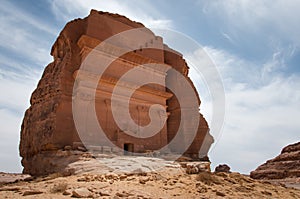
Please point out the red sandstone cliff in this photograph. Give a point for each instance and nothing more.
(48, 128)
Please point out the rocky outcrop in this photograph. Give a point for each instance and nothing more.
(49, 138)
(286, 165)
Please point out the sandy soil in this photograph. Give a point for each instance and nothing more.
(147, 185)
(168, 182)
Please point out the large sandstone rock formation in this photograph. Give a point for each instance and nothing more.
(286, 165)
(49, 139)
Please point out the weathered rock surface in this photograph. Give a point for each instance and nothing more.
(49, 139)
(286, 165)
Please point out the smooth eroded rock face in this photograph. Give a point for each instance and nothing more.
(286, 165)
(49, 134)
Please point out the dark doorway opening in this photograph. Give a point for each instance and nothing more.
(128, 148)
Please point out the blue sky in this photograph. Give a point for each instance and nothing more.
(254, 44)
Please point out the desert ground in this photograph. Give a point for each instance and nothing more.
(142, 177)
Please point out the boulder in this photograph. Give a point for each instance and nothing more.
(222, 168)
(81, 193)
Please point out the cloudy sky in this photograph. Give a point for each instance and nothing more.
(255, 45)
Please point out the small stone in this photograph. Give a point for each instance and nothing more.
(123, 194)
(81, 193)
(67, 148)
(143, 180)
(131, 178)
(168, 187)
(82, 179)
(80, 148)
(266, 193)
(104, 193)
(202, 190)
(28, 179)
(122, 177)
(112, 176)
(10, 189)
(218, 193)
(67, 192)
(32, 192)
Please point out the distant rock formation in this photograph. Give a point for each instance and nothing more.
(286, 165)
(49, 139)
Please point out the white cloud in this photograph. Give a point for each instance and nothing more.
(138, 11)
(12, 13)
(23, 36)
(12, 69)
(9, 141)
(262, 107)
(258, 17)
(15, 94)
(20, 40)
(227, 36)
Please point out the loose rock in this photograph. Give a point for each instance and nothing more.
(81, 193)
(32, 192)
(222, 168)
